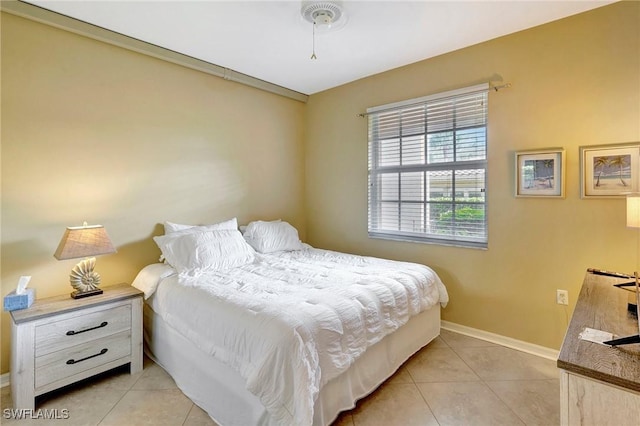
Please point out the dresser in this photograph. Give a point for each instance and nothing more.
(59, 340)
(600, 385)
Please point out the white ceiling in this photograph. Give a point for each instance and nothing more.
(269, 40)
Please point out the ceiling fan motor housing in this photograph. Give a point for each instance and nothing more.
(323, 14)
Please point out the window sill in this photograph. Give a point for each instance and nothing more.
(432, 241)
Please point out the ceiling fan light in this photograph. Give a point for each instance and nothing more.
(322, 19)
(324, 15)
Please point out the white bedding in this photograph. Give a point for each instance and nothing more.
(291, 321)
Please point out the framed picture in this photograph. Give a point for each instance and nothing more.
(540, 173)
(609, 170)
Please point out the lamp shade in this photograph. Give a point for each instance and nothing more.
(633, 210)
(84, 241)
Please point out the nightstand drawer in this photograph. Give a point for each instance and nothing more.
(81, 328)
(62, 364)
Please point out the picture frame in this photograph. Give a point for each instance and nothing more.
(609, 171)
(540, 173)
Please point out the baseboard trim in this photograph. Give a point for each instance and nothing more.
(5, 379)
(518, 345)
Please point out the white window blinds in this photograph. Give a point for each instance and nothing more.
(427, 168)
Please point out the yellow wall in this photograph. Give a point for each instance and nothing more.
(575, 82)
(98, 133)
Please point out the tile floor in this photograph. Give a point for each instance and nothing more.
(455, 380)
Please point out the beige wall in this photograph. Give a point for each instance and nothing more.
(575, 82)
(98, 133)
(94, 132)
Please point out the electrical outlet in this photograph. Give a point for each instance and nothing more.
(562, 297)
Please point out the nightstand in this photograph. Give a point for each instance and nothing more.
(58, 340)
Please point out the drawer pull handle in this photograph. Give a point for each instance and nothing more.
(75, 361)
(73, 333)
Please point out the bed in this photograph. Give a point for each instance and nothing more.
(260, 329)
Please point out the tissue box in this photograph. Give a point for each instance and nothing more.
(13, 301)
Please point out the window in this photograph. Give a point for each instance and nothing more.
(428, 168)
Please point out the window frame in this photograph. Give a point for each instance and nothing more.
(375, 204)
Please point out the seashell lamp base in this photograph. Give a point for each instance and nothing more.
(84, 279)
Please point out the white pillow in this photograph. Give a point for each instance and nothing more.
(268, 237)
(150, 276)
(170, 227)
(212, 250)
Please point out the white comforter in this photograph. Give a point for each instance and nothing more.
(291, 321)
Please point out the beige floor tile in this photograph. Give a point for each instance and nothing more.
(154, 378)
(399, 404)
(76, 405)
(5, 398)
(85, 405)
(198, 417)
(457, 340)
(470, 403)
(500, 363)
(6, 403)
(537, 402)
(439, 365)
(400, 377)
(438, 342)
(117, 379)
(150, 407)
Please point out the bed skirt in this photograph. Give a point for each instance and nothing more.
(221, 392)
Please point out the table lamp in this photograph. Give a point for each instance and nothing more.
(84, 241)
(633, 210)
